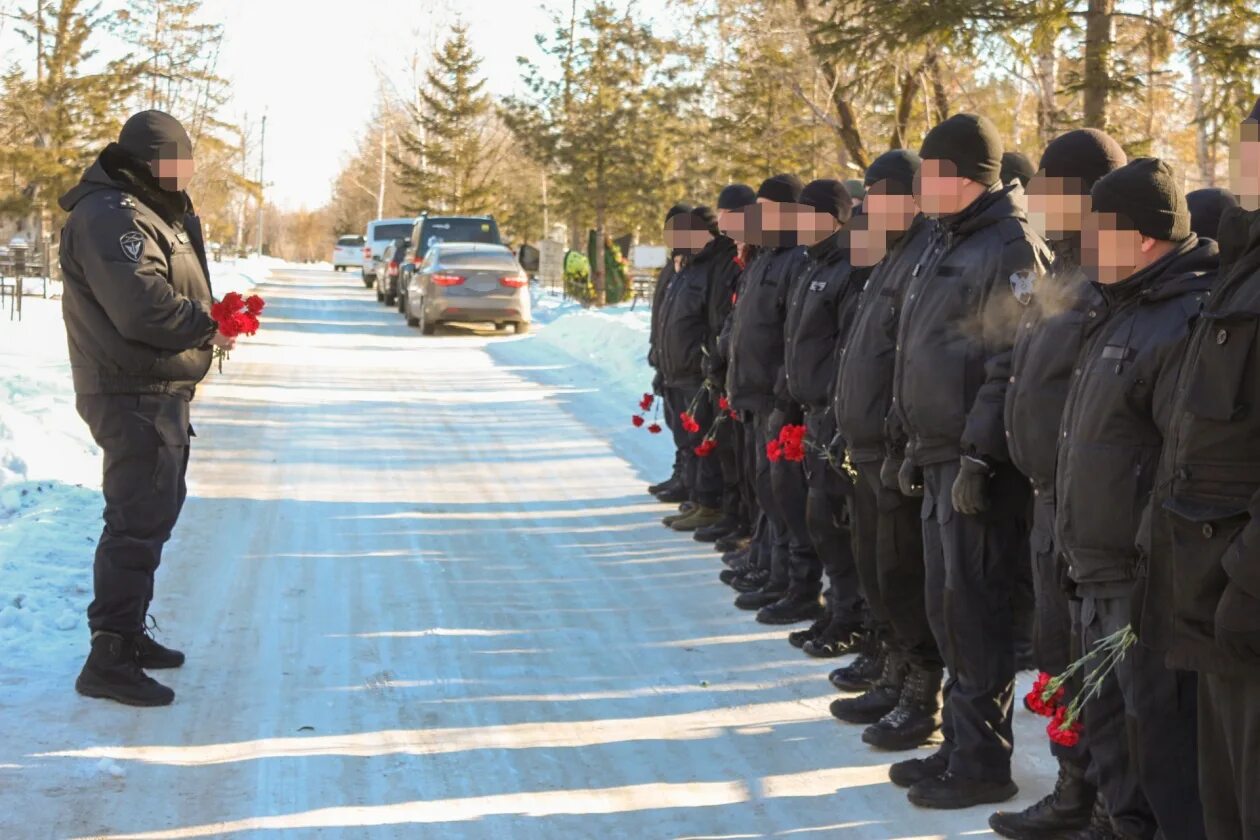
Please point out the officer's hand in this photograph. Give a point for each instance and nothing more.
(970, 493)
(658, 384)
(910, 479)
(223, 342)
(888, 473)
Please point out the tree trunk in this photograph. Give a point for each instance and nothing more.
(597, 270)
(1202, 158)
(940, 98)
(908, 90)
(1098, 46)
(1046, 71)
(847, 129)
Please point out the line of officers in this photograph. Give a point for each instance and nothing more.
(1031, 397)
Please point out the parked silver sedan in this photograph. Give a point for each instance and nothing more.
(468, 282)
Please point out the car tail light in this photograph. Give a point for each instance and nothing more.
(514, 281)
(448, 279)
(393, 267)
(417, 259)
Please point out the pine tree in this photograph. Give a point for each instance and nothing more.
(451, 148)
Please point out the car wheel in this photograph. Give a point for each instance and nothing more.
(380, 296)
(522, 327)
(402, 302)
(368, 282)
(427, 327)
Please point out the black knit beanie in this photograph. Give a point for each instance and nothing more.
(1254, 116)
(680, 207)
(1017, 167)
(736, 197)
(1085, 154)
(706, 219)
(827, 196)
(150, 135)
(1147, 193)
(785, 189)
(1206, 207)
(896, 170)
(971, 143)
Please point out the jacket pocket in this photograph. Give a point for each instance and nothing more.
(1201, 531)
(1225, 348)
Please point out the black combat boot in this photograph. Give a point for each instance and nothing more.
(1099, 828)
(112, 673)
(1068, 808)
(910, 772)
(712, 533)
(152, 654)
(949, 791)
(734, 541)
(667, 484)
(916, 718)
(738, 557)
(752, 580)
(798, 638)
(672, 495)
(794, 607)
(882, 697)
(758, 598)
(839, 639)
(860, 674)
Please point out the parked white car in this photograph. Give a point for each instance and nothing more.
(348, 253)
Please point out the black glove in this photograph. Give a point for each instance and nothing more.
(970, 493)
(910, 479)
(888, 473)
(658, 384)
(1238, 624)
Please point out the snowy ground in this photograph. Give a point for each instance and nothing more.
(423, 595)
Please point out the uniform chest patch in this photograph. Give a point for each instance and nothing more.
(818, 286)
(1022, 283)
(132, 245)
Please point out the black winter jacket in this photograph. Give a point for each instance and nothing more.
(755, 363)
(663, 278)
(958, 326)
(820, 312)
(862, 392)
(1117, 409)
(1051, 332)
(136, 300)
(1205, 565)
(723, 287)
(686, 335)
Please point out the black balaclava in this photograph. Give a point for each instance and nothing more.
(736, 197)
(1017, 167)
(971, 143)
(1206, 207)
(1147, 193)
(150, 135)
(785, 189)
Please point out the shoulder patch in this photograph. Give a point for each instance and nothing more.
(132, 243)
(1022, 284)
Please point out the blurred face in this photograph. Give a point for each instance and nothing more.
(683, 233)
(885, 215)
(942, 192)
(1057, 207)
(731, 223)
(172, 170)
(1245, 167)
(1113, 251)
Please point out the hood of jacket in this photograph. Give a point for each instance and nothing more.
(1165, 277)
(114, 169)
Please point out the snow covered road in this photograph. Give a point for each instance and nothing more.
(423, 594)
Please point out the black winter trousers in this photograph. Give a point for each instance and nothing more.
(775, 540)
(889, 549)
(703, 476)
(145, 442)
(730, 455)
(830, 527)
(1229, 755)
(969, 562)
(1142, 734)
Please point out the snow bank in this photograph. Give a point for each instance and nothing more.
(612, 340)
(50, 480)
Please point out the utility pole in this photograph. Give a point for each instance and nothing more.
(262, 183)
(380, 193)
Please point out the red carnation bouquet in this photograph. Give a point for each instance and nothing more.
(638, 420)
(236, 316)
(1048, 693)
(789, 446)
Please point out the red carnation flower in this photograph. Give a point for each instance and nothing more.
(255, 305)
(690, 426)
(1037, 700)
(233, 301)
(706, 447)
(646, 403)
(638, 421)
(773, 452)
(724, 404)
(1062, 731)
(734, 415)
(655, 428)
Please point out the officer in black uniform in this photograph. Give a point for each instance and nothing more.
(137, 311)
(1153, 275)
(953, 365)
(672, 490)
(1051, 330)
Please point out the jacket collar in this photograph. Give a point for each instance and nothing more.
(115, 169)
(1173, 274)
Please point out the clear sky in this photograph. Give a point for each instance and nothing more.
(315, 67)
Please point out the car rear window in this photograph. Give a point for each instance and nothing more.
(396, 230)
(492, 259)
(459, 230)
(350, 240)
